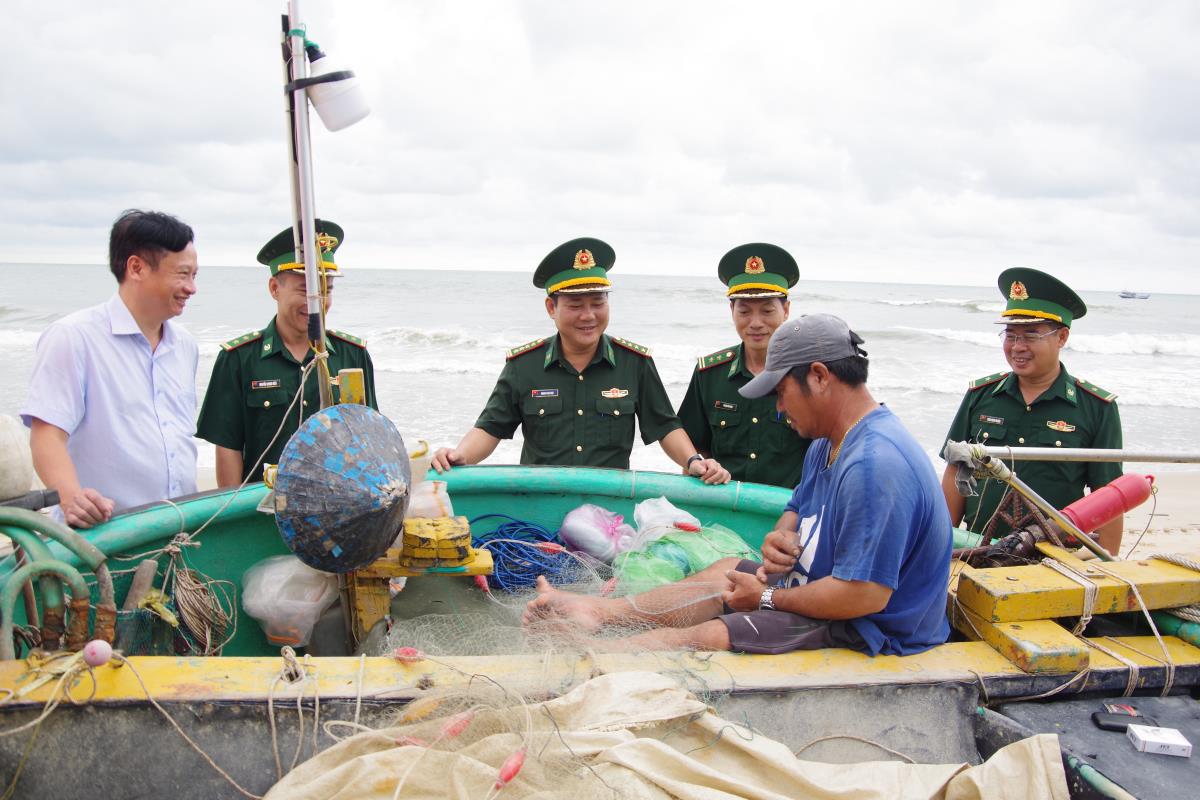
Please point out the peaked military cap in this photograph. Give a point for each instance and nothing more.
(580, 265)
(1033, 296)
(758, 270)
(280, 253)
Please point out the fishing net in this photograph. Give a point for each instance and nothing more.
(632, 734)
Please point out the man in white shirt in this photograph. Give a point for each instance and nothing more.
(112, 399)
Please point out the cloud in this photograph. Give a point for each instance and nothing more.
(932, 141)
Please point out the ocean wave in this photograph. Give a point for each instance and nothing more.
(950, 302)
(1140, 344)
(436, 337)
(18, 338)
(15, 314)
(987, 339)
(1116, 344)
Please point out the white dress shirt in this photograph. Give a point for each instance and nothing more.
(129, 411)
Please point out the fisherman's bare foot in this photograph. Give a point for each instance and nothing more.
(587, 613)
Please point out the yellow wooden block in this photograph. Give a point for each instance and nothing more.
(479, 564)
(1015, 594)
(405, 561)
(352, 386)
(1039, 647)
(370, 600)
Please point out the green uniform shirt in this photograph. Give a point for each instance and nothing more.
(1071, 413)
(749, 437)
(254, 380)
(581, 419)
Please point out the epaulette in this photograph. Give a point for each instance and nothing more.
(979, 383)
(345, 337)
(245, 338)
(528, 347)
(1095, 390)
(640, 349)
(714, 359)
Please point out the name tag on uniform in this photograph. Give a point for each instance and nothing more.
(543, 392)
(268, 384)
(991, 420)
(1060, 425)
(721, 405)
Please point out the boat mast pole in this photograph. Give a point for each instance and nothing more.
(1087, 454)
(304, 226)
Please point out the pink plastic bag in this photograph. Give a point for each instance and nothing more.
(596, 531)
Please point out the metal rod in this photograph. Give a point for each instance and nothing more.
(307, 203)
(999, 470)
(1084, 454)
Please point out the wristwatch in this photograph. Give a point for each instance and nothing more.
(765, 602)
(688, 465)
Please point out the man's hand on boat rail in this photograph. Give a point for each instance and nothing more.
(85, 508)
(445, 457)
(709, 470)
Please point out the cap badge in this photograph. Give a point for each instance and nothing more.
(1060, 425)
(754, 266)
(584, 260)
(1017, 291)
(326, 242)
(614, 393)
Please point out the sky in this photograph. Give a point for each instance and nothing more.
(917, 142)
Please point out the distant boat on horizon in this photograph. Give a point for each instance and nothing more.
(1134, 295)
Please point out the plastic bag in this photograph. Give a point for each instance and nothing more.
(596, 531)
(676, 554)
(428, 500)
(655, 517)
(287, 597)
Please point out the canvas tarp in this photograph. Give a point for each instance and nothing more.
(639, 735)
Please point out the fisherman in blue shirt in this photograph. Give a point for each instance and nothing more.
(859, 559)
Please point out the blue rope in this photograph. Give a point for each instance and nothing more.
(519, 562)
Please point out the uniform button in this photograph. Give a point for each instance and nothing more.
(985, 434)
(580, 377)
(1058, 444)
(1027, 408)
(303, 402)
(578, 448)
(753, 456)
(616, 412)
(541, 412)
(754, 419)
(580, 412)
(266, 403)
(722, 423)
(1021, 440)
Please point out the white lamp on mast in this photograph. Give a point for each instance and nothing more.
(340, 102)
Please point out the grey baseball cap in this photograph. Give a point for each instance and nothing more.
(813, 337)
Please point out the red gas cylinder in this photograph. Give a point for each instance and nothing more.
(1109, 502)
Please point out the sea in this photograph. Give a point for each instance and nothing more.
(438, 341)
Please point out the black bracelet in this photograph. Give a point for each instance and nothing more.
(696, 457)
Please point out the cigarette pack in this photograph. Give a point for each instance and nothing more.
(1166, 741)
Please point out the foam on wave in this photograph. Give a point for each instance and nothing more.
(1137, 344)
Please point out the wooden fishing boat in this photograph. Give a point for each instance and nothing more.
(957, 702)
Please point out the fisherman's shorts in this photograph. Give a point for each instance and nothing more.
(772, 632)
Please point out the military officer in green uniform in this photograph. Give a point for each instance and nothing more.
(1037, 404)
(752, 439)
(575, 394)
(256, 376)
